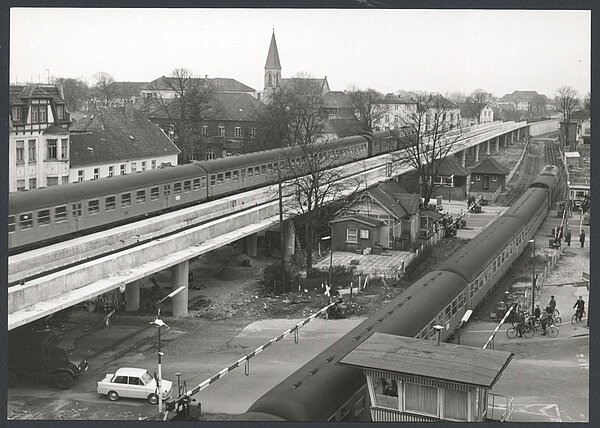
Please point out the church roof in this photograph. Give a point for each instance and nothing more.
(273, 55)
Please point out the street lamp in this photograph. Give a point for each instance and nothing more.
(532, 241)
(160, 323)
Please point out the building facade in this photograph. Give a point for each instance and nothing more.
(38, 137)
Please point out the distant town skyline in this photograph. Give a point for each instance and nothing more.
(499, 51)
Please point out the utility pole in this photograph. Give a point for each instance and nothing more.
(281, 230)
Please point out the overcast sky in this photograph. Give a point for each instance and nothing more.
(433, 50)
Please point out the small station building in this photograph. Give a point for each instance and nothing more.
(413, 380)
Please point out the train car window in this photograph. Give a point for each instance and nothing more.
(77, 210)
(25, 221)
(125, 199)
(243, 173)
(154, 193)
(269, 167)
(196, 184)
(93, 206)
(110, 203)
(220, 178)
(213, 179)
(187, 186)
(228, 175)
(236, 175)
(11, 223)
(263, 169)
(203, 181)
(177, 188)
(257, 170)
(43, 217)
(250, 172)
(140, 196)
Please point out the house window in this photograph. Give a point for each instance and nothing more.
(477, 178)
(205, 130)
(396, 118)
(153, 164)
(51, 149)
(32, 183)
(52, 181)
(238, 132)
(133, 167)
(64, 148)
(60, 214)
(20, 151)
(43, 217)
(221, 130)
(122, 169)
(352, 235)
(210, 154)
(31, 146)
(111, 171)
(96, 173)
(364, 234)
(421, 399)
(80, 175)
(16, 114)
(60, 110)
(387, 118)
(125, 199)
(494, 178)
(144, 166)
(253, 133)
(110, 203)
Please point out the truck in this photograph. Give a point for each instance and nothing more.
(36, 353)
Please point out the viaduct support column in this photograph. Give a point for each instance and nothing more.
(179, 277)
(250, 243)
(512, 137)
(289, 237)
(477, 153)
(518, 134)
(497, 144)
(463, 158)
(487, 147)
(132, 296)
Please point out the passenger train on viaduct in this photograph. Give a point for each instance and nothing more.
(321, 390)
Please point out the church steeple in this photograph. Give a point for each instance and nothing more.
(272, 70)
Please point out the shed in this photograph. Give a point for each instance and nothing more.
(573, 159)
(356, 232)
(413, 380)
(488, 175)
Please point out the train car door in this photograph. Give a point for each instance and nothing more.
(76, 214)
(166, 195)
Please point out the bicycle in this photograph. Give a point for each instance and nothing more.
(555, 320)
(575, 318)
(551, 331)
(511, 332)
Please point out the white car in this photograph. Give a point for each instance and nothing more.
(133, 383)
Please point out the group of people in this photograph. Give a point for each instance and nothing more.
(567, 235)
(545, 317)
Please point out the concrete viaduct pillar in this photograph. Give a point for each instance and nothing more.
(518, 134)
(179, 277)
(289, 236)
(463, 158)
(132, 296)
(477, 153)
(487, 147)
(250, 244)
(497, 144)
(512, 137)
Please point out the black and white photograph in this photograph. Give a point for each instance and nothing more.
(254, 214)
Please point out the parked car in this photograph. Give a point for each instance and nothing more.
(130, 382)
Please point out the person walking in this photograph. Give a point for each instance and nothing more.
(552, 304)
(537, 312)
(568, 236)
(580, 305)
(582, 238)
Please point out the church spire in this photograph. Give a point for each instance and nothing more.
(273, 55)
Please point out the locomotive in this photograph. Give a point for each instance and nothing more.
(321, 390)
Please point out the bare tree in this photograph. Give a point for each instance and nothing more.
(567, 101)
(426, 140)
(477, 101)
(75, 91)
(307, 161)
(105, 90)
(367, 107)
(185, 101)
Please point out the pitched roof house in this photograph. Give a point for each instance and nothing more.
(117, 141)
